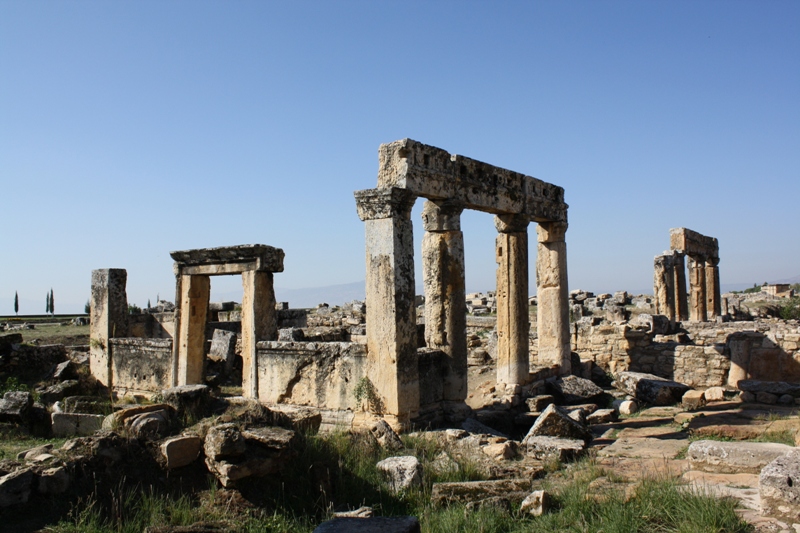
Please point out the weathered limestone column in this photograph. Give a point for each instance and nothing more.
(259, 323)
(513, 321)
(713, 296)
(697, 290)
(663, 285)
(392, 362)
(679, 285)
(195, 291)
(553, 296)
(108, 318)
(445, 303)
(740, 345)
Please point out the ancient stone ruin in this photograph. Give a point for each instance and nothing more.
(451, 183)
(704, 302)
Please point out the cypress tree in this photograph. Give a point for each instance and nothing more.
(52, 303)
(47, 303)
(16, 303)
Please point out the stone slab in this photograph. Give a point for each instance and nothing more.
(733, 457)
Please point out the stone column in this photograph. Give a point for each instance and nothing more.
(679, 285)
(445, 303)
(663, 285)
(697, 290)
(553, 296)
(108, 318)
(513, 321)
(713, 296)
(392, 363)
(259, 323)
(195, 291)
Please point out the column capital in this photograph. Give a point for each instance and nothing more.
(375, 204)
(712, 261)
(440, 216)
(511, 223)
(551, 231)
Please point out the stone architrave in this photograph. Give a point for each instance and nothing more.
(445, 303)
(195, 292)
(697, 291)
(108, 311)
(392, 362)
(513, 321)
(553, 296)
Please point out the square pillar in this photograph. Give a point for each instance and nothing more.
(679, 285)
(392, 362)
(663, 285)
(194, 295)
(697, 290)
(513, 321)
(553, 296)
(108, 318)
(713, 296)
(259, 323)
(445, 299)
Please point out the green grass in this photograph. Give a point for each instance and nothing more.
(11, 446)
(339, 471)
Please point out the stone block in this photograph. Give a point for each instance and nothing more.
(779, 487)
(15, 488)
(75, 424)
(15, 407)
(715, 394)
(401, 473)
(602, 416)
(650, 388)
(54, 481)
(574, 390)
(188, 399)
(767, 398)
(223, 348)
(733, 457)
(57, 392)
(181, 451)
(778, 388)
(472, 491)
(537, 404)
(562, 449)
(537, 503)
(386, 436)
(693, 400)
(555, 422)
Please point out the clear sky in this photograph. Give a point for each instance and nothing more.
(131, 129)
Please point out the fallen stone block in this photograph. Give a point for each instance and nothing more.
(574, 390)
(779, 487)
(626, 407)
(193, 400)
(374, 524)
(181, 451)
(401, 473)
(15, 407)
(693, 400)
(149, 426)
(57, 392)
(733, 457)
(650, 388)
(75, 424)
(386, 436)
(15, 488)
(715, 394)
(477, 428)
(537, 503)
(224, 441)
(54, 481)
(495, 502)
(514, 490)
(766, 397)
(555, 422)
(778, 388)
(602, 416)
(537, 404)
(117, 419)
(562, 449)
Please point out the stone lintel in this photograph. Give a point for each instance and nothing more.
(693, 243)
(435, 174)
(374, 204)
(229, 259)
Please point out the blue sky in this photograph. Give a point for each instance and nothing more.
(130, 129)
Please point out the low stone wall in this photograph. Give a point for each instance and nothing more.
(318, 374)
(28, 362)
(140, 366)
(152, 325)
(700, 355)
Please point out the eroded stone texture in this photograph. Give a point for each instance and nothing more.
(697, 291)
(779, 487)
(108, 318)
(392, 366)
(445, 304)
(704, 289)
(513, 322)
(230, 259)
(553, 296)
(259, 323)
(195, 292)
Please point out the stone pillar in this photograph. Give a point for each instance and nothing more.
(108, 318)
(259, 323)
(513, 321)
(740, 345)
(713, 296)
(445, 304)
(679, 285)
(697, 290)
(392, 362)
(553, 296)
(664, 285)
(195, 291)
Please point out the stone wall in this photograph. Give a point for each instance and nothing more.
(141, 366)
(310, 373)
(152, 325)
(700, 355)
(31, 362)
